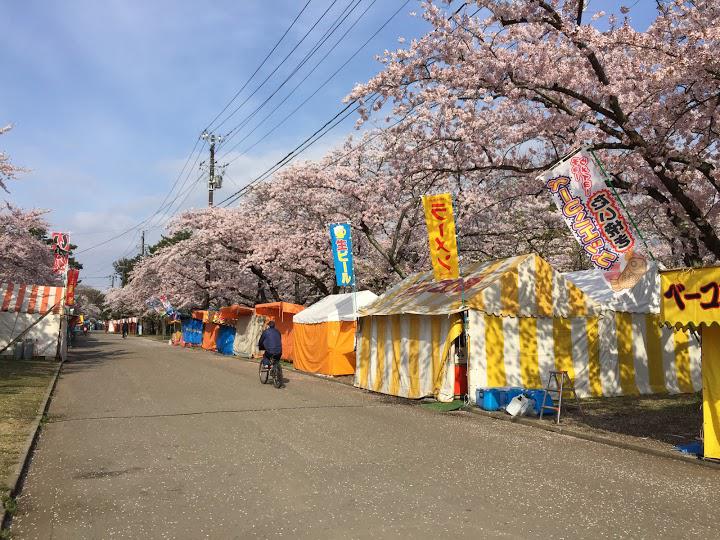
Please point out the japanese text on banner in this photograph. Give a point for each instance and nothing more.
(341, 240)
(690, 296)
(72, 280)
(441, 235)
(596, 219)
(61, 249)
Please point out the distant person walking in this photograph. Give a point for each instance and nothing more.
(125, 329)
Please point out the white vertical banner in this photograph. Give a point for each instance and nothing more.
(597, 220)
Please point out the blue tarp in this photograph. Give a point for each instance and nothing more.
(225, 340)
(192, 331)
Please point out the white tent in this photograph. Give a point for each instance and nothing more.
(336, 307)
(663, 359)
(23, 307)
(644, 297)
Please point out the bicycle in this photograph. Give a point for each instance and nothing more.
(270, 368)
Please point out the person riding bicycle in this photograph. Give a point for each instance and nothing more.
(271, 343)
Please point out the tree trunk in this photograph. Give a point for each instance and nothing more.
(708, 236)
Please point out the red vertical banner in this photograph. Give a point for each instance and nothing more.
(61, 248)
(72, 277)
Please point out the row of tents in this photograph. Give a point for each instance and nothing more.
(507, 322)
(319, 339)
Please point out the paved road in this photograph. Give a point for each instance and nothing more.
(149, 441)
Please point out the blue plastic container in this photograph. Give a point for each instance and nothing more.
(512, 392)
(489, 399)
(537, 395)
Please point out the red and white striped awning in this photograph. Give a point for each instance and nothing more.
(30, 298)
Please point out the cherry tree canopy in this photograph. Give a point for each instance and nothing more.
(496, 93)
(510, 87)
(26, 258)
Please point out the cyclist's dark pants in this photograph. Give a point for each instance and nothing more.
(272, 357)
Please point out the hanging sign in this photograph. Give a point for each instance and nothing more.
(441, 235)
(341, 241)
(72, 280)
(596, 219)
(167, 306)
(153, 304)
(690, 296)
(61, 249)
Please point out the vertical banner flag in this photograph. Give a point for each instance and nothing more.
(441, 235)
(596, 219)
(167, 306)
(341, 240)
(154, 304)
(72, 279)
(61, 249)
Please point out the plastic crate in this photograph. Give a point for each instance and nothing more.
(491, 399)
(537, 395)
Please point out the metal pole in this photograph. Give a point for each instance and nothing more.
(211, 180)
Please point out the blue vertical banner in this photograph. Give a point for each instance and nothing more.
(341, 240)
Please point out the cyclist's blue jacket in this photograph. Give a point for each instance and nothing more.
(270, 341)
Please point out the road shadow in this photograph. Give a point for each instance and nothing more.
(92, 350)
(668, 419)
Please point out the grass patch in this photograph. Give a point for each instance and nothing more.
(438, 406)
(22, 388)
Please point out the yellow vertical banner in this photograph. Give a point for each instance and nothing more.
(441, 235)
(711, 390)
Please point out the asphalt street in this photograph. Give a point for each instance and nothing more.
(145, 440)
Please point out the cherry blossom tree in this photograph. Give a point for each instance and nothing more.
(8, 171)
(506, 89)
(26, 258)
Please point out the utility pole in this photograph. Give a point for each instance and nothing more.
(113, 281)
(214, 181)
(142, 244)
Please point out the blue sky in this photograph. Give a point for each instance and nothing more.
(107, 98)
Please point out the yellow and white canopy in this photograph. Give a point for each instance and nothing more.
(521, 286)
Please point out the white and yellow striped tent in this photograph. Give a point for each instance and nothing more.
(524, 319)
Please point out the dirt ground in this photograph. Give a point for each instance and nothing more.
(657, 421)
(22, 386)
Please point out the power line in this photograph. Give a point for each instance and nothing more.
(287, 30)
(146, 220)
(304, 145)
(236, 109)
(308, 141)
(162, 204)
(296, 109)
(339, 20)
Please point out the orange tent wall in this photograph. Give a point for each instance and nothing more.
(282, 313)
(210, 332)
(327, 347)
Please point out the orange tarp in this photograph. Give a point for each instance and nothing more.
(210, 332)
(230, 314)
(199, 315)
(282, 313)
(327, 347)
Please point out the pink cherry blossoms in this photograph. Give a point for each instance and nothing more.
(494, 94)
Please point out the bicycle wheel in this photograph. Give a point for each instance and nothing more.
(278, 375)
(264, 372)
